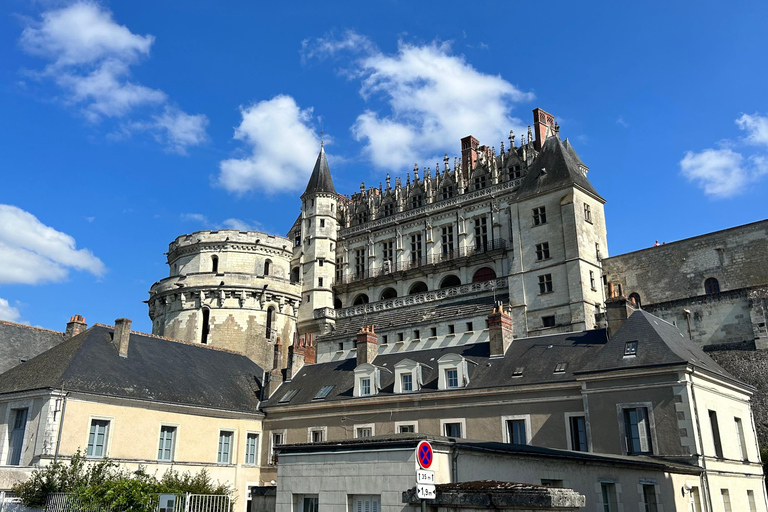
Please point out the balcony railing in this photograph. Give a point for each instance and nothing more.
(486, 246)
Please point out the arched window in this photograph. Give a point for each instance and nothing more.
(711, 286)
(206, 326)
(418, 287)
(450, 280)
(388, 293)
(267, 264)
(214, 264)
(270, 321)
(337, 304)
(295, 275)
(634, 297)
(483, 274)
(360, 299)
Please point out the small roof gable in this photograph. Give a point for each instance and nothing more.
(321, 180)
(21, 342)
(555, 167)
(156, 369)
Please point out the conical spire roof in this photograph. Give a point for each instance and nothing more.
(321, 180)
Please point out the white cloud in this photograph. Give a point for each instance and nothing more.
(194, 217)
(756, 127)
(283, 148)
(33, 253)
(8, 312)
(238, 224)
(621, 122)
(433, 98)
(328, 46)
(724, 173)
(90, 57)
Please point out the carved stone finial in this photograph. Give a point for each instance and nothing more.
(501, 150)
(416, 173)
(362, 187)
(388, 187)
(530, 134)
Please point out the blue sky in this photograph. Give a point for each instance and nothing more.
(126, 124)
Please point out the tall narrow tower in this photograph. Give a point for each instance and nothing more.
(316, 250)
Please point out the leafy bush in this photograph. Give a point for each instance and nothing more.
(106, 484)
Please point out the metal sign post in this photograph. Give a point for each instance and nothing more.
(425, 478)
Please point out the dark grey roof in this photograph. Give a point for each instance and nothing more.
(659, 343)
(320, 181)
(537, 356)
(156, 369)
(21, 342)
(562, 169)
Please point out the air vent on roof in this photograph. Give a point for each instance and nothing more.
(630, 348)
(324, 391)
(288, 396)
(560, 368)
(518, 372)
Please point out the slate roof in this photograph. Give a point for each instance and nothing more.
(156, 370)
(21, 342)
(321, 180)
(659, 344)
(562, 169)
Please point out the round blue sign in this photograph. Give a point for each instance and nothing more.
(424, 454)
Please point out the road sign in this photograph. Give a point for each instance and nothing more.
(426, 492)
(424, 454)
(425, 477)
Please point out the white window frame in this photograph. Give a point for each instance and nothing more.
(372, 426)
(257, 455)
(568, 416)
(175, 440)
(109, 435)
(375, 498)
(366, 371)
(272, 454)
(622, 427)
(311, 430)
(516, 417)
(656, 490)
(462, 421)
(414, 424)
(452, 362)
(9, 418)
(232, 447)
(405, 367)
(298, 501)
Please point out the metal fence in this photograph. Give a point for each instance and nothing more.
(64, 502)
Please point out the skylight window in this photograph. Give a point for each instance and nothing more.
(630, 348)
(324, 391)
(288, 396)
(560, 368)
(518, 372)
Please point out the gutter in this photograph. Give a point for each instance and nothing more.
(61, 424)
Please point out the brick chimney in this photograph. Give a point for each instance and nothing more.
(617, 310)
(300, 353)
(469, 146)
(544, 126)
(122, 336)
(499, 331)
(367, 345)
(75, 326)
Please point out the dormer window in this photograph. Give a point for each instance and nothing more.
(407, 376)
(453, 372)
(630, 348)
(560, 368)
(367, 380)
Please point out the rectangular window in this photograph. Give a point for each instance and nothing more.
(365, 387)
(578, 428)
(446, 193)
(608, 490)
(366, 503)
(592, 283)
(322, 223)
(16, 441)
(548, 321)
(320, 262)
(389, 209)
(433, 331)
(539, 216)
(452, 378)
(406, 429)
(400, 336)
(251, 447)
(716, 434)
(407, 382)
(516, 432)
(470, 327)
(480, 182)
(649, 498)
(167, 443)
(387, 251)
(452, 429)
(384, 339)
(278, 438)
(416, 334)
(481, 234)
(416, 252)
(447, 240)
(514, 172)
(741, 439)
(225, 447)
(637, 430)
(317, 436)
(364, 432)
(587, 213)
(451, 329)
(320, 282)
(545, 283)
(751, 501)
(97, 438)
(542, 251)
(725, 495)
(630, 348)
(305, 503)
(417, 201)
(360, 263)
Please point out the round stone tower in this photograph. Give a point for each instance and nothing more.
(229, 289)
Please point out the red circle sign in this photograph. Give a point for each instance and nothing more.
(424, 454)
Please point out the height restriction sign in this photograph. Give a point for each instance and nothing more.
(424, 454)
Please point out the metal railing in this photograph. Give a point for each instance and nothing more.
(65, 502)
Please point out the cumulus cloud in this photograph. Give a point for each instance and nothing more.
(724, 173)
(33, 253)
(90, 56)
(8, 312)
(431, 98)
(238, 224)
(282, 148)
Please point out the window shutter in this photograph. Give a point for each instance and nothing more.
(642, 429)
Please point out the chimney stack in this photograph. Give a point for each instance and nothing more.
(617, 310)
(544, 124)
(75, 326)
(367, 345)
(300, 353)
(469, 146)
(499, 331)
(122, 336)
